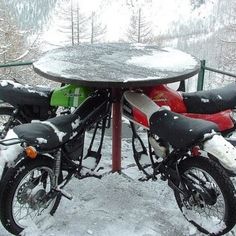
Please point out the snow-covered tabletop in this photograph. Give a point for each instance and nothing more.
(116, 65)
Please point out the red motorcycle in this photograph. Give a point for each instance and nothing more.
(215, 105)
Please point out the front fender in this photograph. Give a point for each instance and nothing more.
(21, 159)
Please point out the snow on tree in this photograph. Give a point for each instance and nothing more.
(139, 29)
(227, 37)
(98, 30)
(19, 40)
(81, 25)
(197, 3)
(12, 39)
(64, 18)
(31, 14)
(70, 23)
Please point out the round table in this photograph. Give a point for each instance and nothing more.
(116, 66)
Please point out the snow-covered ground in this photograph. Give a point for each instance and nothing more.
(116, 205)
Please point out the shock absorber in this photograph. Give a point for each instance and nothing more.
(57, 167)
(56, 170)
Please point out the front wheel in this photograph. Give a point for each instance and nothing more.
(26, 194)
(210, 202)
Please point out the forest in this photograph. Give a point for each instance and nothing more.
(206, 29)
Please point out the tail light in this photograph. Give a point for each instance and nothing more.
(196, 151)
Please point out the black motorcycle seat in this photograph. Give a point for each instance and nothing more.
(211, 101)
(179, 131)
(54, 132)
(19, 94)
(49, 134)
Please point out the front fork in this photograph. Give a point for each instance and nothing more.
(57, 168)
(58, 189)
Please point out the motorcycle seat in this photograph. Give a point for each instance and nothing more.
(49, 134)
(19, 94)
(211, 101)
(179, 131)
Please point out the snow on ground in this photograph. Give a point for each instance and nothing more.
(116, 205)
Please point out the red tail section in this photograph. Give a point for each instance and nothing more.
(222, 119)
(162, 95)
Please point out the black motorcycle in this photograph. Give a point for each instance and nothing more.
(21, 104)
(52, 154)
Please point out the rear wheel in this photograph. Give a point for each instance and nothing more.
(211, 202)
(26, 194)
(7, 120)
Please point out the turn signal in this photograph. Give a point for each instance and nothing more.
(31, 152)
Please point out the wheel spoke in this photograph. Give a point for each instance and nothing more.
(206, 202)
(27, 201)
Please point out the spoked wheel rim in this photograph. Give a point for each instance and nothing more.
(4, 118)
(29, 201)
(205, 207)
(3, 121)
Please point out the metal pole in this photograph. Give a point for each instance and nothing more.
(220, 72)
(16, 64)
(116, 131)
(201, 74)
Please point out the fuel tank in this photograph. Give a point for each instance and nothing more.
(162, 95)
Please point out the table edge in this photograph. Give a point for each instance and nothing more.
(99, 84)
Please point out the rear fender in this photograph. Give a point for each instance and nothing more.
(221, 149)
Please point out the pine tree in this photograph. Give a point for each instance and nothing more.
(71, 23)
(139, 30)
(98, 30)
(81, 23)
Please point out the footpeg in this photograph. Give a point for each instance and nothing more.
(84, 173)
(64, 193)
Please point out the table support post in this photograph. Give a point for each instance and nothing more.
(116, 131)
